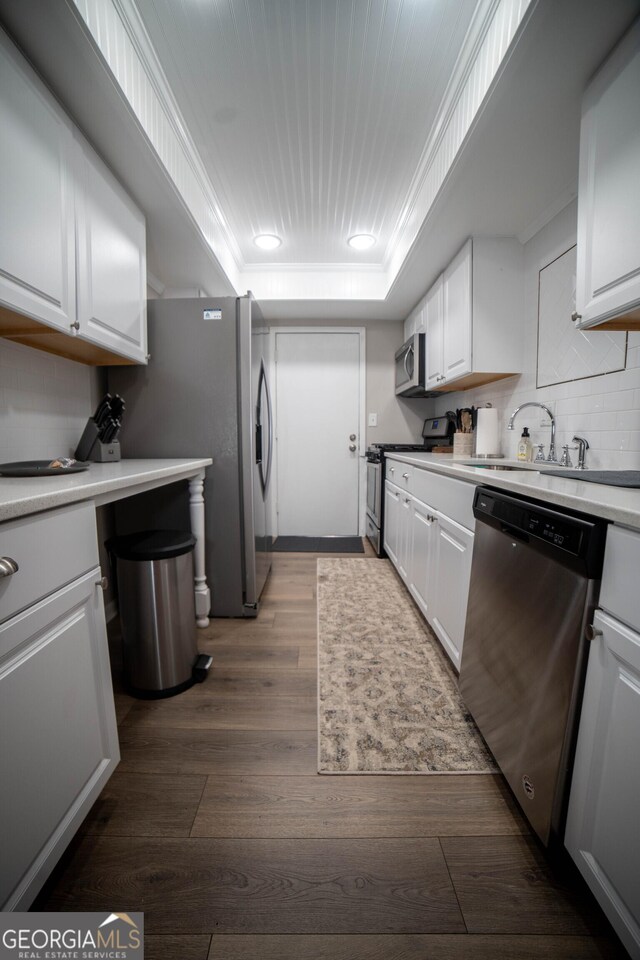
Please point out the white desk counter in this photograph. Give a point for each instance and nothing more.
(106, 482)
(102, 483)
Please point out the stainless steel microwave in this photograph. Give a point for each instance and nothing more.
(410, 367)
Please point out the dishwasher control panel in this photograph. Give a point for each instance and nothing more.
(520, 517)
(560, 533)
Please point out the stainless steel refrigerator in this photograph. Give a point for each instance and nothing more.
(205, 393)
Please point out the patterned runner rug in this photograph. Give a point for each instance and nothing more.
(388, 699)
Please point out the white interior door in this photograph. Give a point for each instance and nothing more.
(318, 433)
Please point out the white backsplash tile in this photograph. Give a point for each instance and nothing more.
(44, 402)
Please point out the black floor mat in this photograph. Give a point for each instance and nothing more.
(318, 545)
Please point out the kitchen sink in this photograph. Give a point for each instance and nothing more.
(498, 466)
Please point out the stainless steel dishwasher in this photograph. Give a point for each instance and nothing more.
(534, 581)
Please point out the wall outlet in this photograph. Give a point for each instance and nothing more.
(373, 420)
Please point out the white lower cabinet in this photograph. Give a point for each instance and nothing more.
(451, 578)
(602, 833)
(58, 738)
(404, 537)
(602, 822)
(397, 531)
(392, 521)
(432, 553)
(423, 546)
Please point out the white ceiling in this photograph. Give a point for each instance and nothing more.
(516, 167)
(310, 116)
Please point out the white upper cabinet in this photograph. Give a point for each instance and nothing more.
(474, 316)
(414, 322)
(434, 340)
(111, 261)
(37, 244)
(456, 290)
(72, 244)
(608, 267)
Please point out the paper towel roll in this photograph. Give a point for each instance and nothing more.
(487, 436)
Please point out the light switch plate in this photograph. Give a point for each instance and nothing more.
(373, 420)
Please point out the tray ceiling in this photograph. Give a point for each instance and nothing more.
(309, 119)
(310, 116)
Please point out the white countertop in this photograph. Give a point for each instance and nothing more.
(620, 504)
(102, 482)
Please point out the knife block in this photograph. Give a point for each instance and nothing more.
(105, 452)
(92, 448)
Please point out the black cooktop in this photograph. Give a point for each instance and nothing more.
(398, 447)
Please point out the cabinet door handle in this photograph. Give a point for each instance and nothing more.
(8, 567)
(593, 633)
(405, 476)
(576, 316)
(392, 469)
(103, 583)
(75, 325)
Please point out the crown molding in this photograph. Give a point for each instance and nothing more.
(484, 54)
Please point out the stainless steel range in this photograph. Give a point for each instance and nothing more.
(435, 431)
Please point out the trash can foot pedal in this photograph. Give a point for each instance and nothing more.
(201, 667)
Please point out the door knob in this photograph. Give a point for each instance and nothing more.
(352, 447)
(352, 436)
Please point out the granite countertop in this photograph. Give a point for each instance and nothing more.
(102, 482)
(619, 504)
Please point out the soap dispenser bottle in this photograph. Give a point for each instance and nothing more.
(525, 449)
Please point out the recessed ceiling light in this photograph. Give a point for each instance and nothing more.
(267, 241)
(361, 241)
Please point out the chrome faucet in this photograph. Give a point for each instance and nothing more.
(583, 446)
(552, 443)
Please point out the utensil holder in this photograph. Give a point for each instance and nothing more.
(463, 444)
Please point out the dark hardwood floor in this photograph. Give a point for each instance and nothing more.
(218, 827)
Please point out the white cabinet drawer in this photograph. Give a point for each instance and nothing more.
(58, 738)
(452, 497)
(619, 593)
(51, 549)
(399, 473)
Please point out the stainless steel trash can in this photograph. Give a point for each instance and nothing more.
(154, 570)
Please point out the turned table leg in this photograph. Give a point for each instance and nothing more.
(196, 509)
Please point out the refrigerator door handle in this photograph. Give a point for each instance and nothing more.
(264, 465)
(269, 431)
